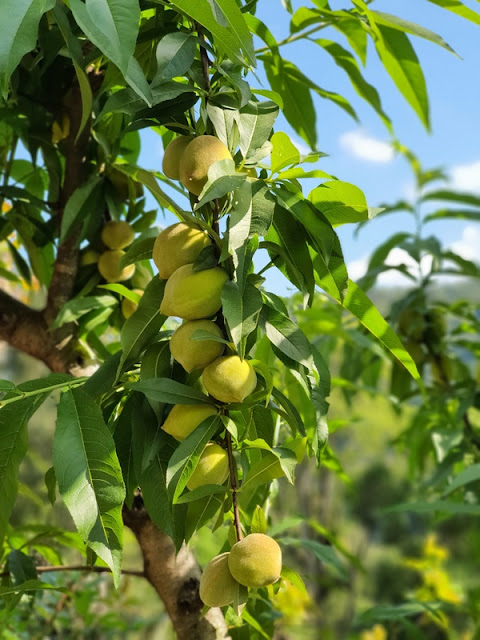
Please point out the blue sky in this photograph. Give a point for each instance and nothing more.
(359, 154)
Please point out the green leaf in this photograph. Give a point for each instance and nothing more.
(401, 62)
(89, 476)
(222, 179)
(454, 214)
(201, 492)
(329, 262)
(293, 577)
(239, 230)
(148, 179)
(455, 6)
(26, 587)
(259, 522)
(75, 51)
(347, 62)
(353, 29)
(170, 391)
(112, 26)
(185, 457)
(325, 553)
(286, 335)
(470, 474)
(139, 250)
(226, 23)
(79, 205)
(298, 105)
(436, 506)
(7, 385)
(23, 195)
(268, 468)
(287, 238)
(154, 490)
(20, 566)
(241, 312)
(124, 437)
(358, 303)
(291, 414)
(284, 153)
(452, 196)
(103, 380)
(19, 20)
(127, 101)
(202, 510)
(341, 203)
(144, 324)
(263, 207)
(13, 447)
(397, 612)
(14, 418)
(255, 124)
(175, 54)
(122, 290)
(394, 22)
(255, 624)
(260, 29)
(78, 307)
(378, 258)
(51, 485)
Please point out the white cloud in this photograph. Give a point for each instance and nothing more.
(358, 268)
(466, 177)
(468, 247)
(361, 145)
(392, 277)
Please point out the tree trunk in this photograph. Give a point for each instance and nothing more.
(175, 578)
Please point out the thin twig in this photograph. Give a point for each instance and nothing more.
(204, 58)
(11, 158)
(80, 567)
(299, 36)
(234, 486)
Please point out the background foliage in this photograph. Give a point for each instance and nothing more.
(383, 531)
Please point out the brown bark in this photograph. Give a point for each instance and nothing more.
(26, 330)
(175, 578)
(76, 173)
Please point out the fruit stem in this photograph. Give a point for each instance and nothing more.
(234, 486)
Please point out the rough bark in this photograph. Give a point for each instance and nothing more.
(175, 578)
(26, 330)
(76, 173)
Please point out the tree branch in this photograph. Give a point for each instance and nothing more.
(26, 330)
(175, 577)
(80, 567)
(204, 59)
(76, 173)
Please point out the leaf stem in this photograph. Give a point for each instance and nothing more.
(25, 394)
(234, 486)
(298, 36)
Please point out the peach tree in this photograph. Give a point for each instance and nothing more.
(81, 84)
